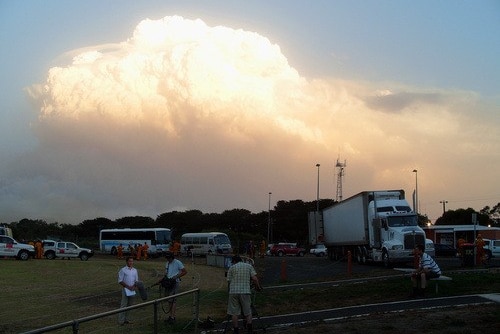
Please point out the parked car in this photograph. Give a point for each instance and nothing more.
(62, 249)
(445, 250)
(318, 250)
(491, 248)
(282, 249)
(9, 247)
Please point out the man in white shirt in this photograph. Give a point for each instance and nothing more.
(127, 278)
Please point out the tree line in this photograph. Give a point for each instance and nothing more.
(287, 221)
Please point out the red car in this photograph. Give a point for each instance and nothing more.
(282, 249)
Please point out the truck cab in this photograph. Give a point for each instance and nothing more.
(394, 231)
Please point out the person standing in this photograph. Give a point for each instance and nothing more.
(262, 248)
(479, 250)
(427, 269)
(139, 252)
(38, 249)
(127, 278)
(460, 246)
(239, 276)
(119, 251)
(145, 249)
(174, 270)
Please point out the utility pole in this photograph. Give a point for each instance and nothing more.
(444, 205)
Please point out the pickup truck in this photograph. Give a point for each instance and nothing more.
(9, 247)
(61, 249)
(491, 248)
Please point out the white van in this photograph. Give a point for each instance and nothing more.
(205, 243)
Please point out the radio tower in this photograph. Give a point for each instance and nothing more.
(340, 173)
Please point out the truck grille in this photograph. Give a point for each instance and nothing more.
(412, 240)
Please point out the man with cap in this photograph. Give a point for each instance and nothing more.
(174, 270)
(239, 276)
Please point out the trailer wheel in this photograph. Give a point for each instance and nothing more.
(385, 259)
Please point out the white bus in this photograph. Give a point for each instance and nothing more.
(205, 243)
(158, 239)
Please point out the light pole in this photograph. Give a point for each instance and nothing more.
(444, 205)
(416, 191)
(317, 192)
(269, 221)
(316, 216)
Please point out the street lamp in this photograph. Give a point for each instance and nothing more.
(269, 221)
(415, 207)
(444, 205)
(316, 216)
(317, 192)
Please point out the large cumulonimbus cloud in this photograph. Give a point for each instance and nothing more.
(183, 115)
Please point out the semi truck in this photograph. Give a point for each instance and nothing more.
(374, 226)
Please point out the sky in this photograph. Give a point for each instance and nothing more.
(124, 108)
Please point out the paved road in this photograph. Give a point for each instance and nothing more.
(310, 267)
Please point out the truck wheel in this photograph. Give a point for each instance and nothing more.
(385, 259)
(50, 255)
(23, 255)
(84, 256)
(280, 253)
(359, 255)
(301, 254)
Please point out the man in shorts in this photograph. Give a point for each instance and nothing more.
(239, 276)
(174, 270)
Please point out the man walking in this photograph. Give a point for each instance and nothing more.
(239, 276)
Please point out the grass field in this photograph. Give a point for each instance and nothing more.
(40, 293)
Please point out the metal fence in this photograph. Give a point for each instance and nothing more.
(75, 324)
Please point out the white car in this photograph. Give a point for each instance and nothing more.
(11, 248)
(319, 250)
(62, 249)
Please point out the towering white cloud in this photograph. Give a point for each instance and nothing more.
(186, 115)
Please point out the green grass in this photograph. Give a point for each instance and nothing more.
(40, 293)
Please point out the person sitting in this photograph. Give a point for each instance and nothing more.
(427, 269)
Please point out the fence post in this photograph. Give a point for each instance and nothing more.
(197, 315)
(283, 270)
(155, 318)
(75, 327)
